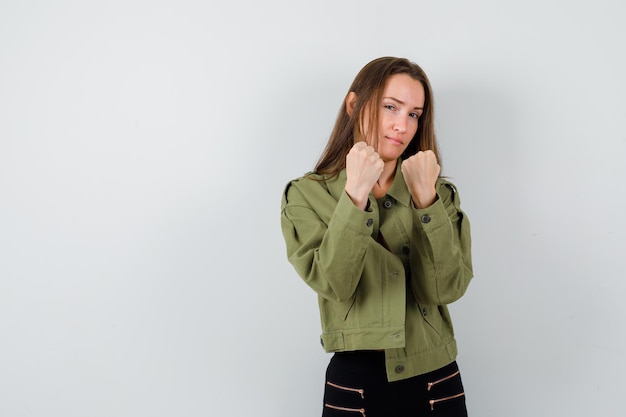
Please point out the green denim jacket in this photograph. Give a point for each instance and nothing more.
(376, 297)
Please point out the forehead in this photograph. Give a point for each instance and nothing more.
(406, 89)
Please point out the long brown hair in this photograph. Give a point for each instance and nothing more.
(368, 86)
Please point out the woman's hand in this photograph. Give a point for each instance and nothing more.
(420, 173)
(363, 168)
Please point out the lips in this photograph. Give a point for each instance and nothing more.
(394, 141)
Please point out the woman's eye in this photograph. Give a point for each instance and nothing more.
(414, 115)
(390, 107)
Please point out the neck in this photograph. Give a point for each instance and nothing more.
(385, 179)
(389, 172)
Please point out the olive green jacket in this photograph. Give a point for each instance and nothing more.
(376, 297)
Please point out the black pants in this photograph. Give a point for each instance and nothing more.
(357, 386)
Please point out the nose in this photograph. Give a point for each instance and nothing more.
(399, 125)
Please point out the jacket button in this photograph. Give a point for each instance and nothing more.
(405, 250)
(399, 369)
(387, 204)
(425, 218)
(425, 311)
(370, 222)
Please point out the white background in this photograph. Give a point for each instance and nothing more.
(144, 146)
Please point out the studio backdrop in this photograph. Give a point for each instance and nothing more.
(144, 147)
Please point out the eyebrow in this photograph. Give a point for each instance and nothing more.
(402, 102)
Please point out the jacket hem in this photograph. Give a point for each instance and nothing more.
(401, 366)
(358, 339)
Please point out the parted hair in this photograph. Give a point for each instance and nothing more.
(369, 85)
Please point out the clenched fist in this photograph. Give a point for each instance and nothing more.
(420, 173)
(363, 167)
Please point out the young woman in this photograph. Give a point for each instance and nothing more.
(380, 237)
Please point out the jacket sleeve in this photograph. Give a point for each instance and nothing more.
(441, 272)
(327, 240)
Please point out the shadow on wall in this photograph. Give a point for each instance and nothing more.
(480, 140)
(478, 131)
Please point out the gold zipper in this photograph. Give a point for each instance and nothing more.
(438, 400)
(354, 410)
(360, 391)
(432, 384)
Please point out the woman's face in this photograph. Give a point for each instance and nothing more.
(401, 106)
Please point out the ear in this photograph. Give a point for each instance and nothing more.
(351, 100)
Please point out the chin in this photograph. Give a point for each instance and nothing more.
(392, 156)
(389, 159)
